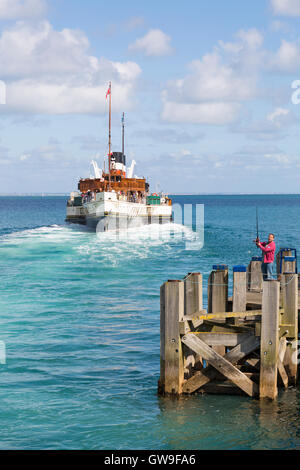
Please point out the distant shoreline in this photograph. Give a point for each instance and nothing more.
(170, 194)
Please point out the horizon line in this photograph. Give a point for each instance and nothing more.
(45, 194)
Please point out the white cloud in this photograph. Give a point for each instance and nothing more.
(280, 26)
(286, 7)
(49, 71)
(133, 23)
(13, 9)
(217, 84)
(154, 43)
(252, 38)
(278, 116)
(200, 113)
(211, 79)
(35, 50)
(259, 157)
(279, 158)
(274, 126)
(287, 58)
(24, 157)
(32, 96)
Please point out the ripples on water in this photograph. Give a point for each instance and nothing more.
(80, 318)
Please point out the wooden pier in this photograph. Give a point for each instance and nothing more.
(246, 344)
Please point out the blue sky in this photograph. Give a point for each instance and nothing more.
(206, 87)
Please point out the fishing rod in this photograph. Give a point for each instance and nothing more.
(257, 229)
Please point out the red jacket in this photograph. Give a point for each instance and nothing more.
(269, 251)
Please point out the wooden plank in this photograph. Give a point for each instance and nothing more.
(221, 364)
(193, 293)
(255, 276)
(215, 327)
(221, 339)
(281, 370)
(197, 315)
(217, 291)
(222, 389)
(283, 254)
(221, 315)
(233, 356)
(254, 362)
(239, 303)
(254, 298)
(289, 321)
(172, 375)
(257, 329)
(161, 382)
(252, 375)
(243, 349)
(269, 340)
(193, 301)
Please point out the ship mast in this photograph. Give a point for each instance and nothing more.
(123, 133)
(109, 140)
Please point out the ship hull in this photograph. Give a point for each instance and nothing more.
(108, 213)
(109, 223)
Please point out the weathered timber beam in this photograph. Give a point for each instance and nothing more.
(221, 389)
(171, 357)
(281, 370)
(233, 356)
(193, 300)
(290, 319)
(222, 339)
(269, 340)
(254, 362)
(215, 327)
(221, 364)
(213, 316)
(239, 300)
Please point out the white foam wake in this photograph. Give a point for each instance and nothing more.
(112, 247)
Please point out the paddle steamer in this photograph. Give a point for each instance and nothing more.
(116, 199)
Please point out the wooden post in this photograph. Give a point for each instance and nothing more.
(289, 265)
(239, 299)
(217, 289)
(193, 302)
(289, 323)
(269, 340)
(255, 274)
(283, 252)
(217, 293)
(193, 298)
(172, 312)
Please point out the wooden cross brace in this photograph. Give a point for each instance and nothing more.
(219, 364)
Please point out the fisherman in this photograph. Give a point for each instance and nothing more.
(268, 248)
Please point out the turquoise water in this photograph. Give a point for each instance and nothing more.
(80, 320)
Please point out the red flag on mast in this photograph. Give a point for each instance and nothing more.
(108, 93)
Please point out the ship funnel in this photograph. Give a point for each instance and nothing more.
(131, 169)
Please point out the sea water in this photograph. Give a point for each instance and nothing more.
(79, 319)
